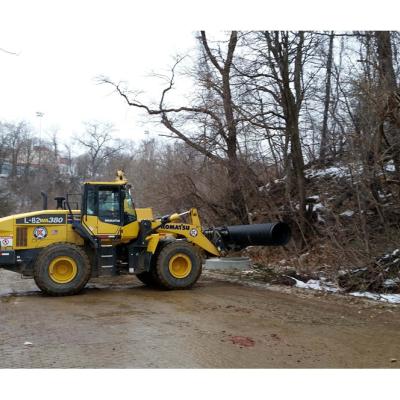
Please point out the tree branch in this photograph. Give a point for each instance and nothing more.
(209, 53)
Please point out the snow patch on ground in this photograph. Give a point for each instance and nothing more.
(316, 285)
(387, 298)
(331, 171)
(248, 272)
(347, 213)
(324, 285)
(265, 187)
(318, 207)
(391, 282)
(390, 167)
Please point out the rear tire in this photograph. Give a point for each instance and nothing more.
(62, 269)
(178, 265)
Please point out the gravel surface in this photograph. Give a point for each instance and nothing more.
(217, 324)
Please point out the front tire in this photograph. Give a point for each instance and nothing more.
(178, 265)
(148, 278)
(62, 269)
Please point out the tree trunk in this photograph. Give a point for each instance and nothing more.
(237, 197)
(388, 85)
(298, 167)
(324, 132)
(234, 172)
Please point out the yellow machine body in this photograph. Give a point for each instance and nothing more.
(107, 219)
(63, 248)
(22, 231)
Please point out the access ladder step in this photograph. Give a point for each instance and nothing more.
(106, 260)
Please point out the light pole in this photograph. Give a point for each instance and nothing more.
(40, 115)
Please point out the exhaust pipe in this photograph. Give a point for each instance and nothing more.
(44, 197)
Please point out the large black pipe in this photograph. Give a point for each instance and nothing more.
(271, 234)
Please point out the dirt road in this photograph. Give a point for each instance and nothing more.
(216, 324)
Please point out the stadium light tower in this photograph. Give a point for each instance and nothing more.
(40, 115)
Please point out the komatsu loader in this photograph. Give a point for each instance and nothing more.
(63, 248)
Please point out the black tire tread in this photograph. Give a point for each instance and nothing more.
(147, 278)
(163, 283)
(44, 253)
(150, 278)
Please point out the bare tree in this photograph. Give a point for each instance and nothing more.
(8, 52)
(278, 74)
(99, 145)
(16, 135)
(213, 112)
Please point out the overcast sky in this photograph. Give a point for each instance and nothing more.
(60, 53)
(63, 46)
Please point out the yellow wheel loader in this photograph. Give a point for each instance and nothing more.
(63, 248)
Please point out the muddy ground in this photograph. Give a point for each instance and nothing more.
(216, 324)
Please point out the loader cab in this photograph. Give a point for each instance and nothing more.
(107, 207)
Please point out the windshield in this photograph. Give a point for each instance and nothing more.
(109, 205)
(129, 207)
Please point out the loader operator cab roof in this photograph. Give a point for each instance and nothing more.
(120, 179)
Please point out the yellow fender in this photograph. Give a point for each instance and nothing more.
(191, 231)
(152, 242)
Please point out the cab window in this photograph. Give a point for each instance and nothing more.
(109, 205)
(129, 207)
(91, 201)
